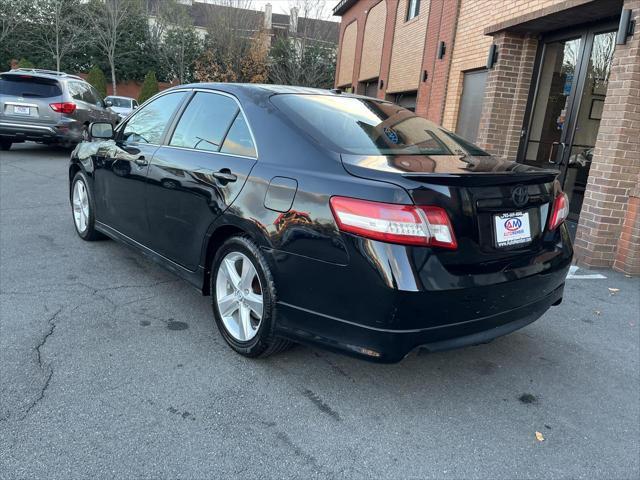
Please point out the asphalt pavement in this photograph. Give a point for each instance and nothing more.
(111, 367)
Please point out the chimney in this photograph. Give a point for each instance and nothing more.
(293, 20)
(268, 12)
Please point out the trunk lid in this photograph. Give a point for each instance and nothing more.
(26, 98)
(486, 199)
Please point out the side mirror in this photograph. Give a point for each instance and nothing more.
(100, 130)
(108, 103)
(135, 106)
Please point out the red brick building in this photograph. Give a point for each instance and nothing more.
(551, 83)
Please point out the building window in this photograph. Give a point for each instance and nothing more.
(413, 9)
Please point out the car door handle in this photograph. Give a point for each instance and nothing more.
(225, 175)
(141, 161)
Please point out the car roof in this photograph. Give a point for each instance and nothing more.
(253, 90)
(119, 96)
(38, 72)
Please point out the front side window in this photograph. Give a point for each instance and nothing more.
(149, 123)
(210, 123)
(363, 126)
(413, 9)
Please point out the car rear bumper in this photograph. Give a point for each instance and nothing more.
(390, 299)
(390, 346)
(20, 132)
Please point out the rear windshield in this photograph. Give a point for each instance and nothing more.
(28, 86)
(363, 126)
(119, 102)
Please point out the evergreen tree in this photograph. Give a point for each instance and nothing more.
(98, 80)
(149, 87)
(24, 63)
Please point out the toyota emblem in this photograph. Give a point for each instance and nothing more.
(520, 195)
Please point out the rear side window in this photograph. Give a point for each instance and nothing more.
(92, 96)
(205, 122)
(76, 90)
(81, 91)
(149, 123)
(28, 86)
(239, 140)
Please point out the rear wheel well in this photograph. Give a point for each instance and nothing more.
(215, 241)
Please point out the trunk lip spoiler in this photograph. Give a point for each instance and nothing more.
(472, 179)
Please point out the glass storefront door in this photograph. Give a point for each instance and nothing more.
(570, 93)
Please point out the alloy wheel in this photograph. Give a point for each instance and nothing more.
(239, 296)
(80, 206)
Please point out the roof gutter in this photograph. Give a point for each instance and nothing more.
(342, 7)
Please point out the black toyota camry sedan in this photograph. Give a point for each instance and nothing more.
(328, 218)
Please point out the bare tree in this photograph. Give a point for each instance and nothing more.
(12, 16)
(307, 55)
(173, 37)
(162, 15)
(231, 25)
(106, 19)
(58, 28)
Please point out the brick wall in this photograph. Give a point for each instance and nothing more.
(608, 229)
(359, 13)
(506, 95)
(389, 29)
(347, 54)
(472, 45)
(373, 41)
(130, 88)
(628, 248)
(440, 27)
(408, 47)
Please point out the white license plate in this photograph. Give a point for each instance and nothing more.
(21, 110)
(512, 228)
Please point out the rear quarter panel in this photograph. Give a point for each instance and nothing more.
(308, 228)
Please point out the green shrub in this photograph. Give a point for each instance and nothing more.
(149, 87)
(98, 80)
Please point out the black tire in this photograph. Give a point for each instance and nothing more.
(5, 144)
(90, 233)
(265, 342)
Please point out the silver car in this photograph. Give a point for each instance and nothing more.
(123, 106)
(48, 107)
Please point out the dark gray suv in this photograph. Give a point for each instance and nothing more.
(48, 107)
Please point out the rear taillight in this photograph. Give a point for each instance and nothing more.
(559, 212)
(63, 107)
(404, 224)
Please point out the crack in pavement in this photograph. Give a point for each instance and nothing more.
(93, 290)
(52, 327)
(47, 368)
